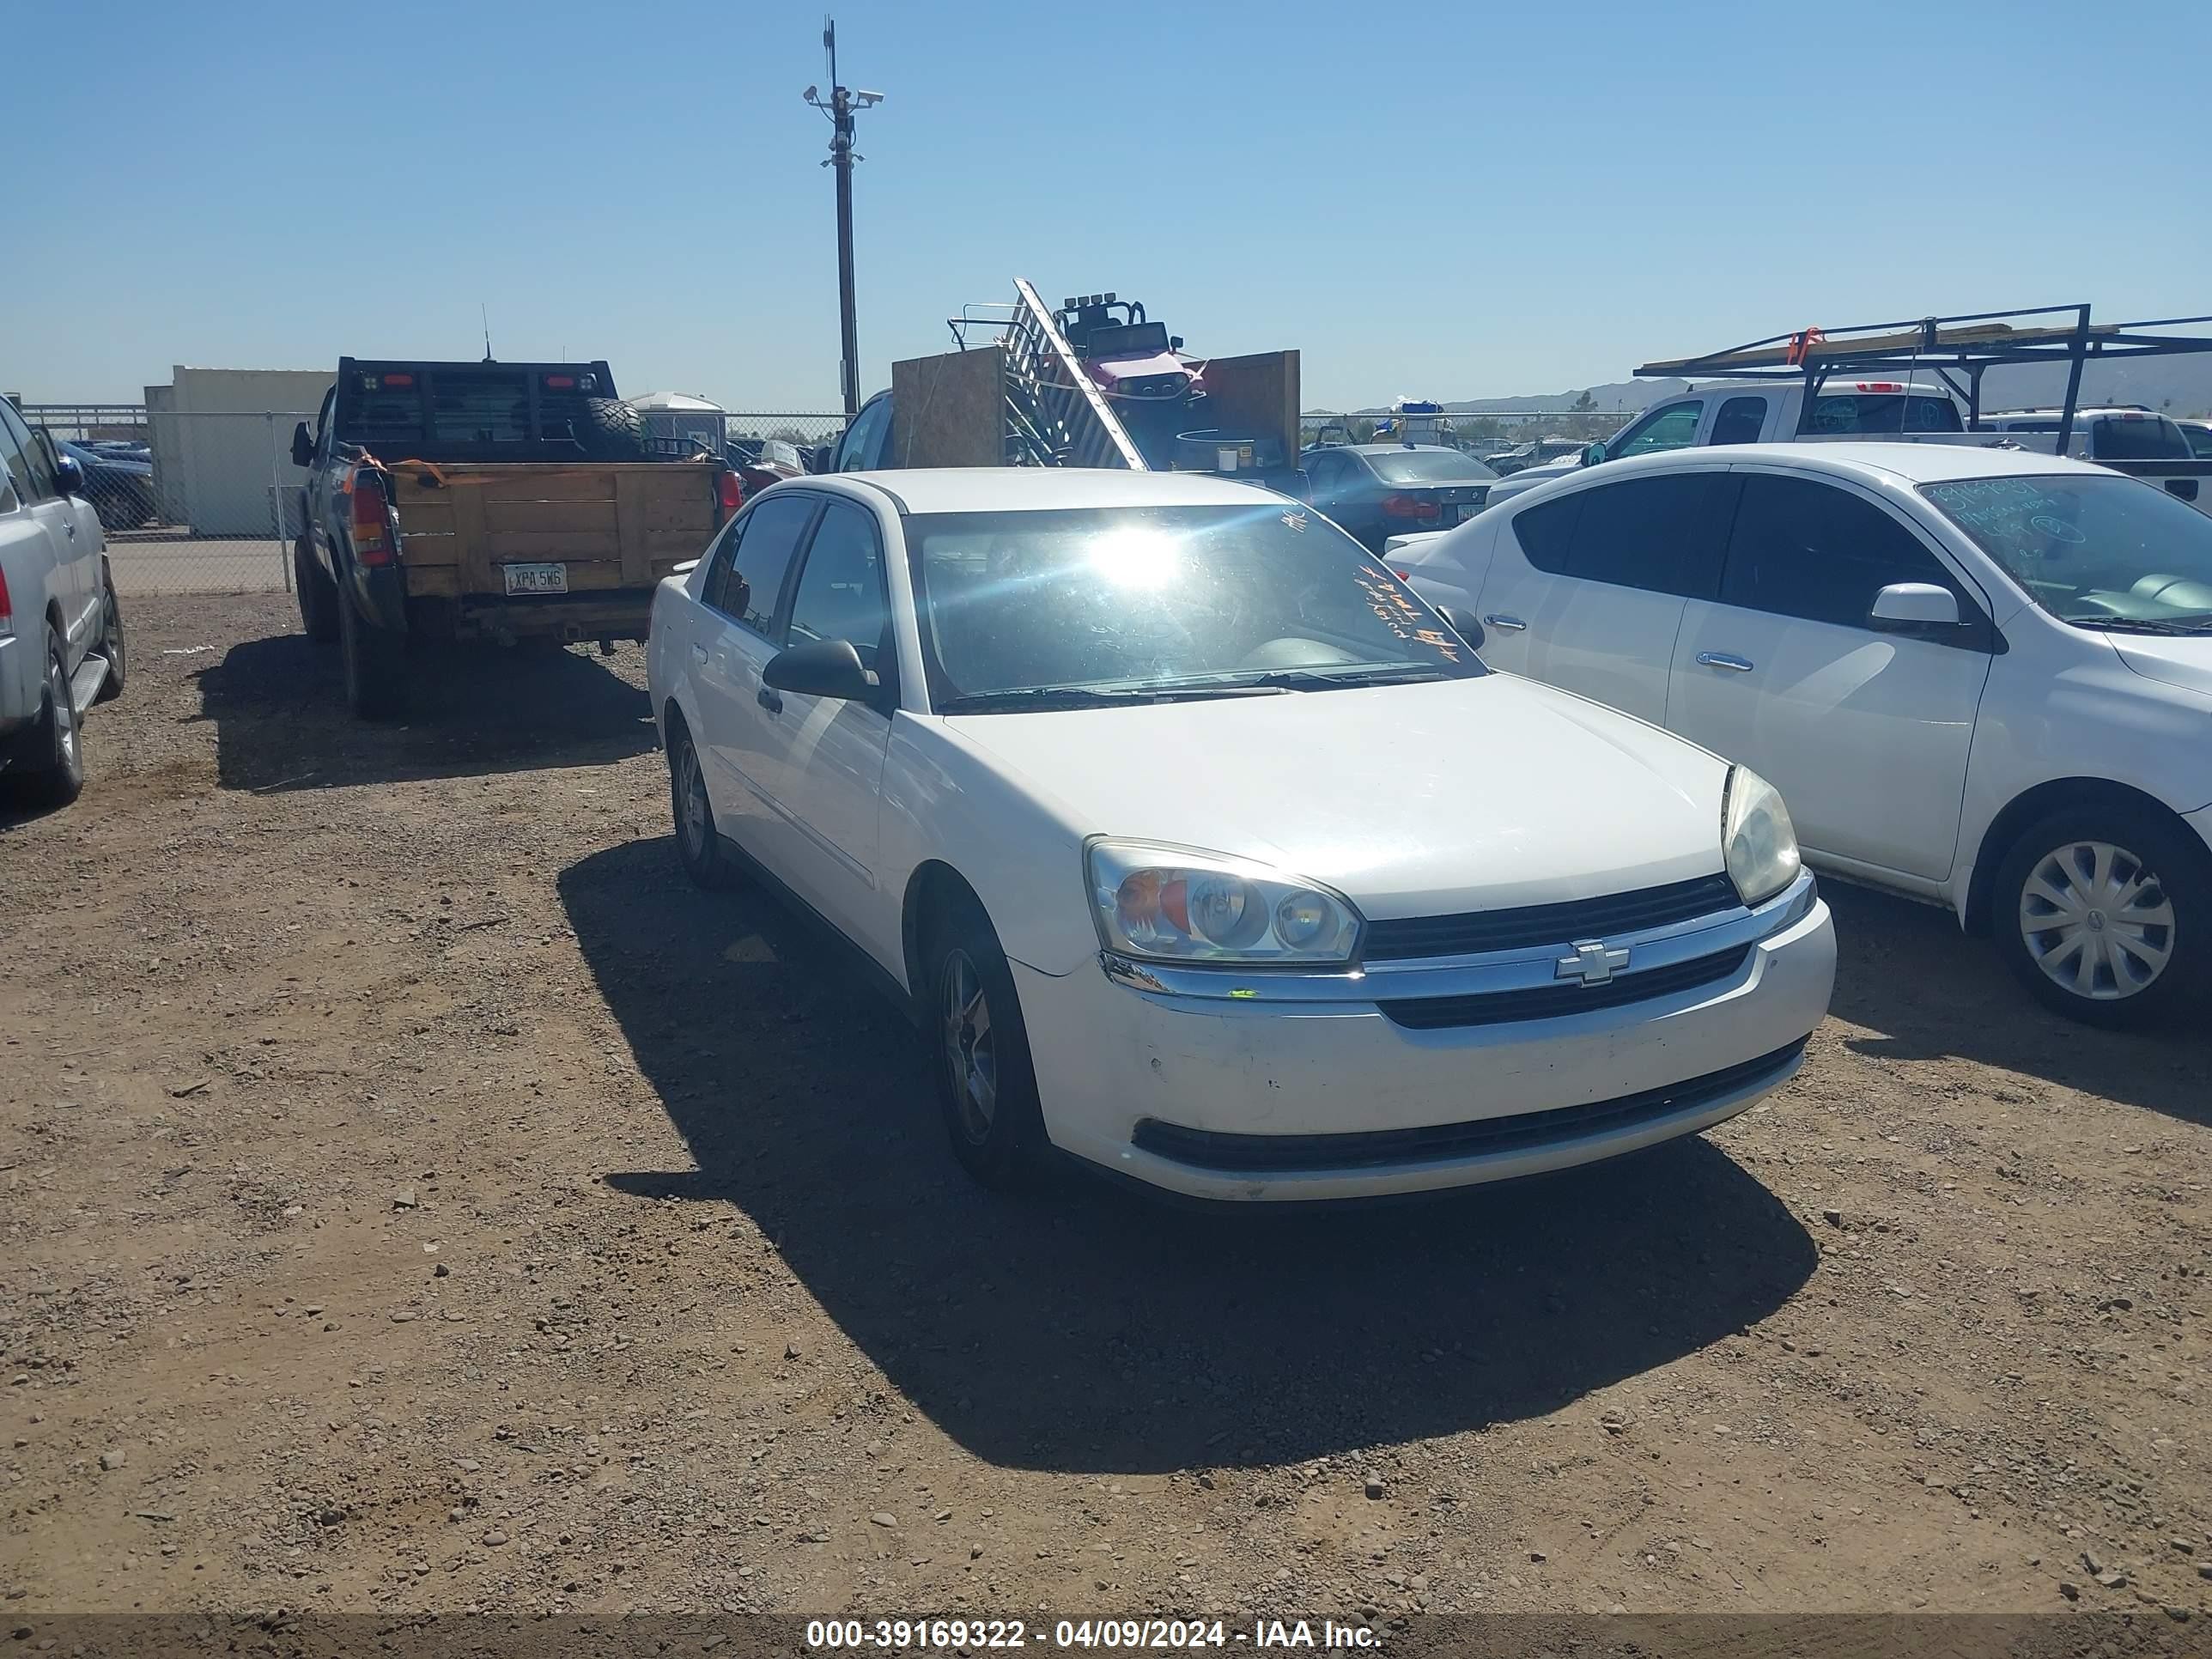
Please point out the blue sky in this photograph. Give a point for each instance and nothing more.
(1444, 200)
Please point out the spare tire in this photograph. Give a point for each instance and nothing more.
(611, 430)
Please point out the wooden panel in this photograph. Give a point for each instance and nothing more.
(1258, 394)
(629, 525)
(506, 546)
(585, 576)
(474, 541)
(565, 517)
(948, 410)
(426, 534)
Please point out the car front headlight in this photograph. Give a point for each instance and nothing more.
(1177, 904)
(1757, 838)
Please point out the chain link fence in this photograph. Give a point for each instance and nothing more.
(198, 501)
(189, 502)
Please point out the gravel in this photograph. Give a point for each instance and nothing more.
(725, 1292)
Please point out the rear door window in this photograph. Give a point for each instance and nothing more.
(1740, 421)
(761, 558)
(1653, 534)
(1800, 548)
(2138, 438)
(36, 481)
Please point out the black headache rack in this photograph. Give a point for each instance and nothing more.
(409, 408)
(1965, 346)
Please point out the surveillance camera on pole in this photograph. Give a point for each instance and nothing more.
(839, 107)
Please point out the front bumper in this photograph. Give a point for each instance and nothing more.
(1288, 1090)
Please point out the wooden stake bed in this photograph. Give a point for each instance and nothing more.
(611, 525)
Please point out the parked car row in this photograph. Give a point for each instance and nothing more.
(1207, 849)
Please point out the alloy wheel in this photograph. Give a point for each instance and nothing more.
(2096, 920)
(970, 1050)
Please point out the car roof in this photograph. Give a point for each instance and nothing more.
(1873, 463)
(1833, 387)
(1040, 489)
(2079, 409)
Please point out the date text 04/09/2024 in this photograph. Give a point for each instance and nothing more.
(1141, 1634)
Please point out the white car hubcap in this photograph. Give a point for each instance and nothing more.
(2096, 920)
(691, 797)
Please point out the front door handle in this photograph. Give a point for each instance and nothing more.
(699, 653)
(1727, 659)
(1510, 624)
(770, 700)
(70, 525)
(2185, 488)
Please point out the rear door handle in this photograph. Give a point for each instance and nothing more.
(770, 700)
(1510, 624)
(699, 653)
(1727, 659)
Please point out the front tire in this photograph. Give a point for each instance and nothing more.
(2105, 915)
(987, 1087)
(111, 645)
(698, 843)
(51, 771)
(375, 661)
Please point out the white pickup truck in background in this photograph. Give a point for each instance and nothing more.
(1763, 412)
(2127, 437)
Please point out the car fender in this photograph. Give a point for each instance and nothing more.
(945, 801)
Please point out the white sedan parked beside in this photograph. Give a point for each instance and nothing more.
(1980, 678)
(1202, 850)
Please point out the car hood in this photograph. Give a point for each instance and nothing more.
(2170, 659)
(1410, 799)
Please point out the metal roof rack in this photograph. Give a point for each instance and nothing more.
(1967, 345)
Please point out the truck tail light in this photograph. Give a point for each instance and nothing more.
(730, 492)
(1409, 507)
(372, 520)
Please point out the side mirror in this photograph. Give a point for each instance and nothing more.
(1593, 454)
(1174, 342)
(1905, 605)
(303, 446)
(69, 474)
(1462, 622)
(820, 668)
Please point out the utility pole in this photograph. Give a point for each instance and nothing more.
(840, 108)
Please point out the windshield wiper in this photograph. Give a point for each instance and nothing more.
(2142, 624)
(1337, 679)
(1089, 697)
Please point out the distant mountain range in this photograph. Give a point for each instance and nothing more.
(2178, 385)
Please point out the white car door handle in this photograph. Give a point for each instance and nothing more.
(70, 525)
(1727, 659)
(699, 655)
(1510, 624)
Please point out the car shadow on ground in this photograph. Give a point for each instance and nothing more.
(1928, 991)
(1093, 1329)
(281, 719)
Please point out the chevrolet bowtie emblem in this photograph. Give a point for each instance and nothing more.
(1592, 963)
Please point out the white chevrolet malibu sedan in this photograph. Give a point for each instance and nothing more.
(1202, 850)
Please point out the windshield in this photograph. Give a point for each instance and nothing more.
(1429, 466)
(1160, 601)
(2100, 551)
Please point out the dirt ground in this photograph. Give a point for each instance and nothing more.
(418, 1197)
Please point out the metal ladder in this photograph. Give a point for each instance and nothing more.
(1055, 415)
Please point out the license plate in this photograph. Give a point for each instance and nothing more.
(537, 578)
(1462, 514)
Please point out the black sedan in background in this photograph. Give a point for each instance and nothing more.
(119, 485)
(1376, 491)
